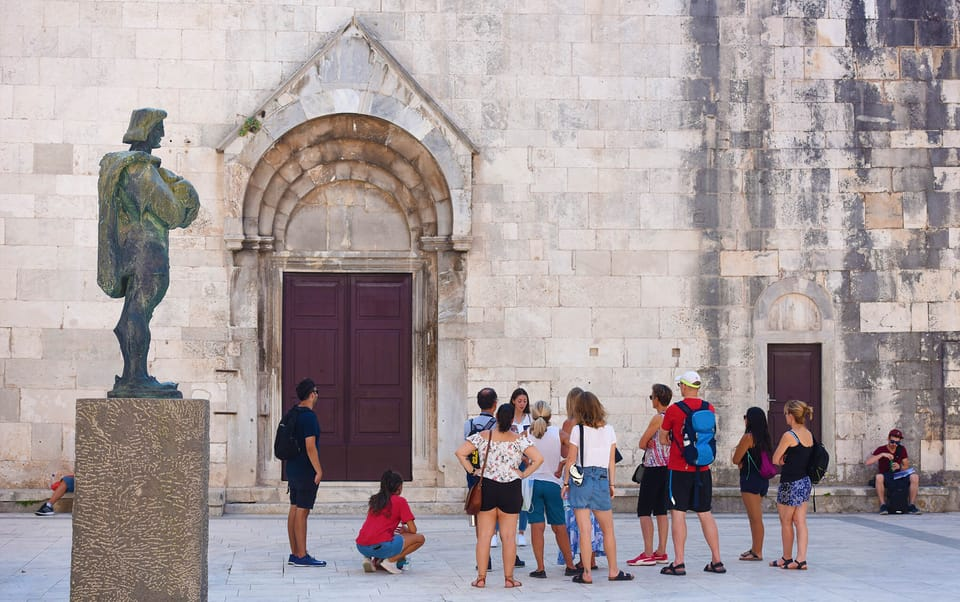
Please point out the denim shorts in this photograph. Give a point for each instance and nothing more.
(547, 500)
(594, 493)
(387, 549)
(69, 480)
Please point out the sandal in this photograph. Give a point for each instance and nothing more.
(674, 569)
(480, 582)
(715, 567)
(750, 555)
(796, 565)
(509, 582)
(779, 564)
(621, 576)
(579, 579)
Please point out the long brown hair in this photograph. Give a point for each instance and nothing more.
(589, 411)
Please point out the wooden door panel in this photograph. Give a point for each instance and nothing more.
(793, 372)
(351, 333)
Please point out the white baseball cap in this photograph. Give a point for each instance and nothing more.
(689, 378)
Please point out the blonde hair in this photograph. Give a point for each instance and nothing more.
(541, 414)
(800, 411)
(572, 398)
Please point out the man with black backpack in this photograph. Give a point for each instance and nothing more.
(303, 475)
(892, 466)
(689, 427)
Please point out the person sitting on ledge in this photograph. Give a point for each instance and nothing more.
(61, 487)
(892, 463)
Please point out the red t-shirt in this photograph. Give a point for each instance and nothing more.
(673, 420)
(883, 465)
(381, 527)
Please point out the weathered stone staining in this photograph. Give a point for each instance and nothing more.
(577, 192)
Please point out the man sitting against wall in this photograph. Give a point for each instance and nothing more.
(893, 464)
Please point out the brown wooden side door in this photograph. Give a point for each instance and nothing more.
(351, 333)
(793, 372)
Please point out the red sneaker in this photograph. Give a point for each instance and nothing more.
(643, 560)
(660, 558)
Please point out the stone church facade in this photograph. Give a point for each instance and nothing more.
(408, 200)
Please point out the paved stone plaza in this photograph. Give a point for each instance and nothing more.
(852, 557)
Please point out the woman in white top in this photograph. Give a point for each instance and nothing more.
(547, 502)
(501, 452)
(593, 445)
(521, 424)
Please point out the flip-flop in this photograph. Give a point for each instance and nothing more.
(674, 569)
(779, 564)
(796, 565)
(750, 555)
(715, 567)
(621, 576)
(580, 579)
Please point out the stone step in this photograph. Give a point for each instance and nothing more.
(351, 498)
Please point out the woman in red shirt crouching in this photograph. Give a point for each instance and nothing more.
(389, 534)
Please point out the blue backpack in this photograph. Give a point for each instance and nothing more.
(699, 434)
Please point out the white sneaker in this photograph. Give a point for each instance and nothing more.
(368, 565)
(495, 540)
(391, 567)
(521, 539)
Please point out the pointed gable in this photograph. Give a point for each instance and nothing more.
(354, 74)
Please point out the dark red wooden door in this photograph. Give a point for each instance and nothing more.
(351, 333)
(793, 372)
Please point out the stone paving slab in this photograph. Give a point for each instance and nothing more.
(852, 557)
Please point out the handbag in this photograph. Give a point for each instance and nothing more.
(472, 504)
(767, 469)
(638, 473)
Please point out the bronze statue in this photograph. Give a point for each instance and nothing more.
(140, 202)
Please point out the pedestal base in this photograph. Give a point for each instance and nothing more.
(140, 515)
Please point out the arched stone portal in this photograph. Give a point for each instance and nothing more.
(354, 170)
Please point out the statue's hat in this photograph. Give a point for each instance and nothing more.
(141, 122)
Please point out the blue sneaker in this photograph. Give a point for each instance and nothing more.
(290, 559)
(308, 560)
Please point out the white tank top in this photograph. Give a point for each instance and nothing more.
(549, 447)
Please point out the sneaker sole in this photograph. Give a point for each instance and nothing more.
(642, 563)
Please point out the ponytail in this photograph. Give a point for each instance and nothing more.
(541, 414)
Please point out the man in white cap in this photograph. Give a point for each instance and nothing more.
(690, 487)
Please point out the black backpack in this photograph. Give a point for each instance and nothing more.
(286, 445)
(819, 461)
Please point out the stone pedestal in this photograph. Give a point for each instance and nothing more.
(140, 513)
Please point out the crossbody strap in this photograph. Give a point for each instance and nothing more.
(486, 455)
(581, 445)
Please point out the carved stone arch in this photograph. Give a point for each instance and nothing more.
(796, 310)
(347, 147)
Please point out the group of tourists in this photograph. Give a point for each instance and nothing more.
(533, 473)
(572, 470)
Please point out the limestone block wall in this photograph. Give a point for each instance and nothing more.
(646, 170)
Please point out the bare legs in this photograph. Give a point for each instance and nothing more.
(754, 505)
(537, 531)
(297, 530)
(411, 543)
(486, 524)
(646, 527)
(679, 530)
(793, 520)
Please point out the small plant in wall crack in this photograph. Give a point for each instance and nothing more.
(251, 125)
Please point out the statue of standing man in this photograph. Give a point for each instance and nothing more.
(140, 202)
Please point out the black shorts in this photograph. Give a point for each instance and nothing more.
(690, 490)
(507, 497)
(303, 493)
(653, 492)
(752, 482)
